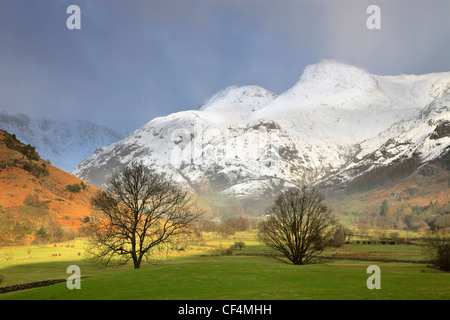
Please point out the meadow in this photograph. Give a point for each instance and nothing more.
(206, 271)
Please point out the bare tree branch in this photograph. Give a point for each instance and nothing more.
(297, 225)
(139, 211)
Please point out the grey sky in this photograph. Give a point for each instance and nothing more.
(135, 60)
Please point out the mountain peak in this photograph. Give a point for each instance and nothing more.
(332, 75)
(238, 100)
(245, 138)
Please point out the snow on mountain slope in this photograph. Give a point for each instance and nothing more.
(414, 135)
(348, 104)
(65, 143)
(238, 101)
(427, 136)
(245, 139)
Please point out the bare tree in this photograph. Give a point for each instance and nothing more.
(298, 225)
(139, 211)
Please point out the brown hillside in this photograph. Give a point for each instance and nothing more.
(416, 198)
(33, 192)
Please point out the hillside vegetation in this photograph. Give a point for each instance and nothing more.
(38, 202)
(404, 196)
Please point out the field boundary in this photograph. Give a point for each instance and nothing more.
(32, 285)
(338, 258)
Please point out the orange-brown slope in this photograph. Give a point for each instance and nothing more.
(27, 180)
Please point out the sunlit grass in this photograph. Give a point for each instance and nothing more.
(247, 278)
(202, 271)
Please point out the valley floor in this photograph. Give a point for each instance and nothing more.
(203, 272)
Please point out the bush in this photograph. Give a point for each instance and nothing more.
(13, 143)
(74, 188)
(438, 240)
(35, 170)
(393, 236)
(339, 238)
(442, 260)
(228, 251)
(41, 234)
(239, 245)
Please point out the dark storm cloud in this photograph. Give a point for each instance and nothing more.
(134, 60)
(414, 36)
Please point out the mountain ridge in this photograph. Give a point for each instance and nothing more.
(64, 143)
(332, 118)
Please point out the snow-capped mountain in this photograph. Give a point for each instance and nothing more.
(248, 141)
(426, 136)
(64, 143)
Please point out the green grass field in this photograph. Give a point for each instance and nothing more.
(203, 273)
